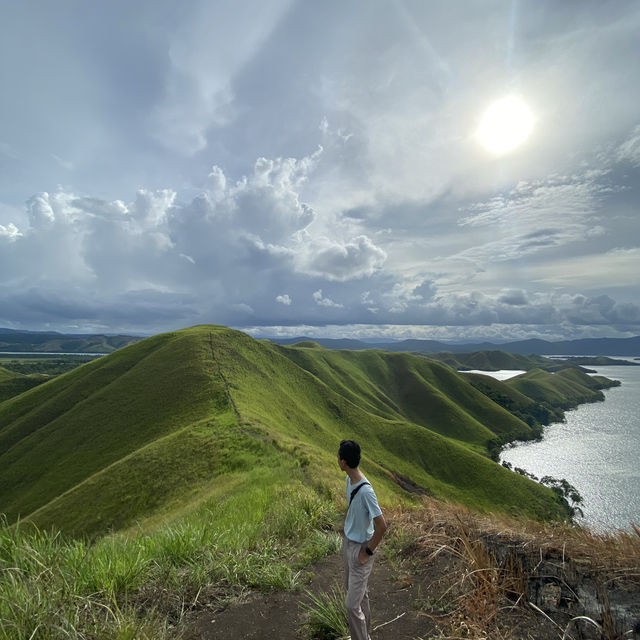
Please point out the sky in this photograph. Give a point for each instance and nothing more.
(290, 168)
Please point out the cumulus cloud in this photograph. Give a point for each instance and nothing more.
(321, 301)
(10, 231)
(516, 297)
(335, 260)
(399, 217)
(232, 246)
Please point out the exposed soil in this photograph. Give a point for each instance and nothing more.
(259, 616)
(405, 603)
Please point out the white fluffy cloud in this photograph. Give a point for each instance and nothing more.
(399, 218)
(222, 253)
(10, 231)
(336, 260)
(321, 301)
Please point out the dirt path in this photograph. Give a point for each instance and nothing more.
(278, 615)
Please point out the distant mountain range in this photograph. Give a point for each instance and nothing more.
(42, 341)
(39, 341)
(584, 347)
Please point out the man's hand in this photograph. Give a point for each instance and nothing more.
(363, 556)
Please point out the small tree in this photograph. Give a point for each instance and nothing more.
(565, 491)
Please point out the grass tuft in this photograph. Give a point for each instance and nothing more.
(326, 615)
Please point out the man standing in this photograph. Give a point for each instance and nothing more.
(363, 529)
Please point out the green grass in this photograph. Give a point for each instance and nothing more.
(308, 408)
(326, 615)
(259, 535)
(5, 374)
(203, 458)
(13, 383)
(48, 364)
(78, 424)
(493, 360)
(159, 425)
(169, 469)
(564, 389)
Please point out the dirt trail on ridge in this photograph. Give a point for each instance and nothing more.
(278, 615)
(400, 607)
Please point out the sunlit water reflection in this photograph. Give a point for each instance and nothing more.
(597, 450)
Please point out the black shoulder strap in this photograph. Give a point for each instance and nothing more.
(353, 493)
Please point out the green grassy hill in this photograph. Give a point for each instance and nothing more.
(162, 424)
(564, 389)
(5, 374)
(524, 407)
(493, 360)
(12, 384)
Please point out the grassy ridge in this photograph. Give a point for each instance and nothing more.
(535, 414)
(151, 428)
(295, 405)
(70, 428)
(492, 360)
(170, 469)
(253, 534)
(564, 389)
(410, 388)
(5, 374)
(213, 456)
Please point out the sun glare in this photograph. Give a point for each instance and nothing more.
(505, 125)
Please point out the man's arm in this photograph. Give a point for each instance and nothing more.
(379, 527)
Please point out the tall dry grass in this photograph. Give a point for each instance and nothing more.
(485, 566)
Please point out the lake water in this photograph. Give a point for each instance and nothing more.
(503, 374)
(36, 354)
(597, 450)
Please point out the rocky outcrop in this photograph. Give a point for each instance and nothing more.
(599, 602)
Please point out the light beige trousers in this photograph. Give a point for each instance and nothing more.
(357, 576)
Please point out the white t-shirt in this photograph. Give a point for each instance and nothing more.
(358, 525)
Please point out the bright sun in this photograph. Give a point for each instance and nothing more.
(505, 125)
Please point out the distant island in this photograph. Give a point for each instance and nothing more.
(601, 361)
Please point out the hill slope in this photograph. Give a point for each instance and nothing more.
(169, 418)
(12, 383)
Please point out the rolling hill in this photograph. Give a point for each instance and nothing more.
(12, 384)
(40, 341)
(166, 421)
(494, 360)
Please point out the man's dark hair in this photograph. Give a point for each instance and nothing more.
(350, 452)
